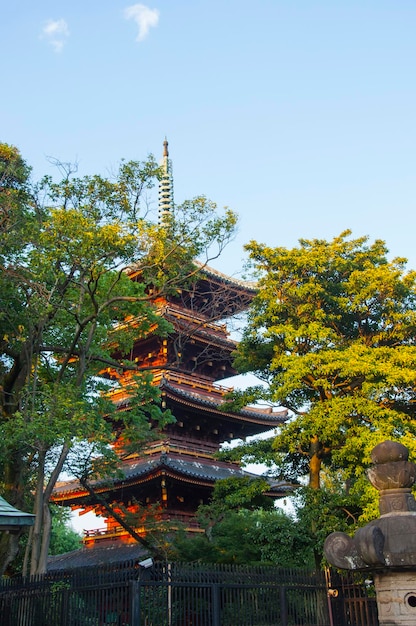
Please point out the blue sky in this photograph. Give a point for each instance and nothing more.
(298, 114)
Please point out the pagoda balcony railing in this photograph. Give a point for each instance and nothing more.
(191, 317)
(174, 517)
(193, 381)
(194, 318)
(187, 445)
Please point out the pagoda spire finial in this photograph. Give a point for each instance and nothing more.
(165, 185)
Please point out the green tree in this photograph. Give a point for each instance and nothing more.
(331, 333)
(282, 539)
(242, 526)
(63, 537)
(65, 297)
(14, 194)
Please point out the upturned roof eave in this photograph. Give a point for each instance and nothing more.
(191, 398)
(177, 467)
(207, 271)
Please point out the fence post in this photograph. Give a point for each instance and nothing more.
(283, 605)
(65, 613)
(135, 594)
(216, 605)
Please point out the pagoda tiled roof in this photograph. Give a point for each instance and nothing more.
(178, 464)
(248, 285)
(212, 398)
(207, 271)
(97, 556)
(199, 470)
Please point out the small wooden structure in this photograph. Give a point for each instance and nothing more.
(12, 519)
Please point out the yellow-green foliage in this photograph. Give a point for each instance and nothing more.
(332, 331)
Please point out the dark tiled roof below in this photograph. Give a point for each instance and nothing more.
(96, 556)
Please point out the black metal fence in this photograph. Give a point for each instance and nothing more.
(225, 604)
(175, 595)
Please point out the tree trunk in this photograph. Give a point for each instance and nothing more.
(315, 463)
(46, 538)
(43, 522)
(9, 548)
(38, 510)
(315, 466)
(26, 558)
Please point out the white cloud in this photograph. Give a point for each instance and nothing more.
(56, 32)
(144, 17)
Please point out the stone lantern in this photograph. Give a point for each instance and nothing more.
(386, 546)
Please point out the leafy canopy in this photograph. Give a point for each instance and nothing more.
(332, 333)
(79, 257)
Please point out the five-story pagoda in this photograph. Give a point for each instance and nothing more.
(176, 473)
